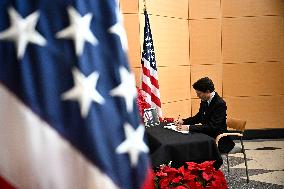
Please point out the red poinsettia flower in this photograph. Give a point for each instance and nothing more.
(206, 176)
(177, 179)
(192, 176)
(182, 170)
(192, 166)
(164, 182)
(218, 184)
(181, 187)
(190, 184)
(207, 165)
(141, 102)
(198, 185)
(170, 170)
(161, 174)
(188, 176)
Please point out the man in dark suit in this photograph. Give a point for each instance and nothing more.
(212, 115)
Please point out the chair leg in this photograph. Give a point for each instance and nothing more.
(245, 158)
(246, 167)
(228, 165)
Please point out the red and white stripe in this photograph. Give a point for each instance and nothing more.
(150, 86)
(35, 156)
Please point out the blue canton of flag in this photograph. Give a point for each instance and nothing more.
(150, 85)
(67, 97)
(148, 46)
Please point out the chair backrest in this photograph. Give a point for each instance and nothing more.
(236, 124)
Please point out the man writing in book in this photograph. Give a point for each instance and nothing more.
(211, 115)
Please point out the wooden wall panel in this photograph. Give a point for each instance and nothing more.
(214, 72)
(253, 79)
(137, 72)
(282, 78)
(252, 39)
(205, 41)
(174, 83)
(204, 9)
(170, 8)
(131, 23)
(260, 112)
(195, 104)
(171, 40)
(236, 8)
(129, 6)
(174, 109)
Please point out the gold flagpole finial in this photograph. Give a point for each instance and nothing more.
(145, 8)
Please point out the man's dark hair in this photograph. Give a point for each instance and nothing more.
(204, 84)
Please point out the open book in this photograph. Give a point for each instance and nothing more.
(172, 126)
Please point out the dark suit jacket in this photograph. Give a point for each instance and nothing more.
(213, 120)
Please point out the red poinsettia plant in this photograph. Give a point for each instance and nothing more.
(142, 104)
(190, 176)
(168, 119)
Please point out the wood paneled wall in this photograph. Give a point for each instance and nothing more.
(239, 44)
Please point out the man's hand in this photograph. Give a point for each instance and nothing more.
(178, 122)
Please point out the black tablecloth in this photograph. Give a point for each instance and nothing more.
(167, 145)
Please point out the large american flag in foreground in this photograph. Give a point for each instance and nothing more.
(150, 85)
(68, 115)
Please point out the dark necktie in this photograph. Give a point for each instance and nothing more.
(205, 106)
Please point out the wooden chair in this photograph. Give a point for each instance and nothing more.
(239, 127)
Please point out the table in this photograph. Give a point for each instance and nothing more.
(167, 145)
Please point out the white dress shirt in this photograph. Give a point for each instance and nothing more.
(211, 97)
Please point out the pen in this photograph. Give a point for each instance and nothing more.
(177, 119)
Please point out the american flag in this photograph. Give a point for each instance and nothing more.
(68, 115)
(150, 85)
